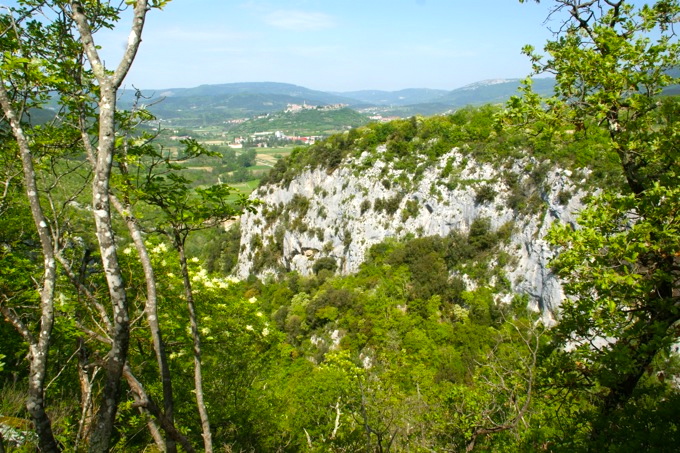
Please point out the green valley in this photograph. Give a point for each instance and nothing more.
(262, 267)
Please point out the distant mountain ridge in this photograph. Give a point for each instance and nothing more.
(212, 104)
(407, 96)
(494, 91)
(256, 88)
(482, 92)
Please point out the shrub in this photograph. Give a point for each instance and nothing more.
(481, 237)
(392, 204)
(299, 204)
(327, 304)
(347, 238)
(379, 205)
(564, 196)
(256, 242)
(485, 194)
(320, 234)
(411, 210)
(365, 206)
(325, 263)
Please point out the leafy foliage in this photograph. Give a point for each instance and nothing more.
(316, 121)
(416, 143)
(415, 352)
(389, 349)
(612, 62)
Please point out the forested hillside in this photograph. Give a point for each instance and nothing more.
(211, 105)
(500, 278)
(313, 121)
(438, 176)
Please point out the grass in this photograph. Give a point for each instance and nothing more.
(248, 186)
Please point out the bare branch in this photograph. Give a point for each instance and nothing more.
(13, 319)
(143, 399)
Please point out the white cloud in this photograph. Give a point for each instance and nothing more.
(299, 20)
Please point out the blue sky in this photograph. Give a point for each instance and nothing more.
(334, 45)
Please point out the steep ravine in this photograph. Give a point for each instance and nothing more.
(341, 214)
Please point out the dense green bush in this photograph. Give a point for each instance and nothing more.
(410, 210)
(365, 206)
(414, 144)
(299, 204)
(481, 236)
(326, 263)
(485, 194)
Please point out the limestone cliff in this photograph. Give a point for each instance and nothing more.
(366, 198)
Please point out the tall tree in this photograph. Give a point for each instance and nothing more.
(45, 44)
(181, 211)
(108, 87)
(24, 81)
(621, 267)
(129, 123)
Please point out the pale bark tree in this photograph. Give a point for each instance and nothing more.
(39, 345)
(185, 210)
(179, 242)
(78, 23)
(101, 204)
(125, 210)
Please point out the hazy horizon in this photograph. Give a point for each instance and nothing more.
(344, 46)
(334, 46)
(125, 86)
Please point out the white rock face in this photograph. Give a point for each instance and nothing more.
(339, 223)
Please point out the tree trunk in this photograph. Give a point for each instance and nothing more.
(144, 400)
(38, 347)
(151, 310)
(151, 306)
(87, 414)
(193, 321)
(120, 331)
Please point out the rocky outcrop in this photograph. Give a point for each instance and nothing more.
(343, 213)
